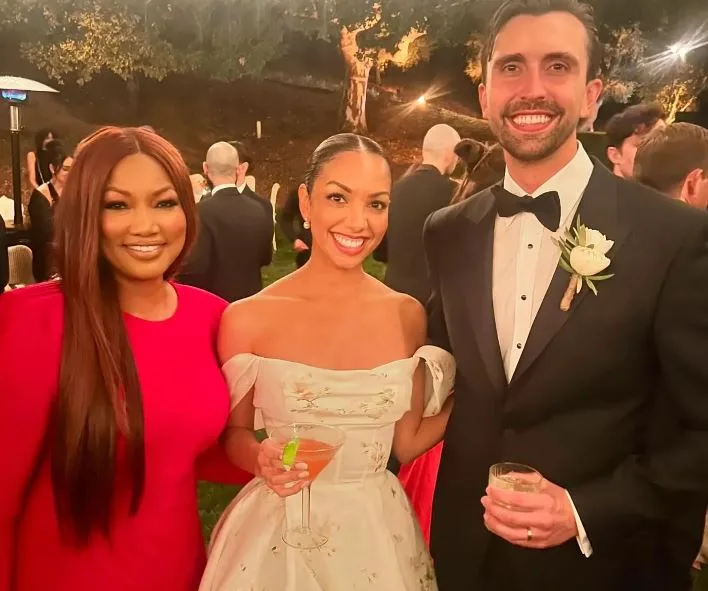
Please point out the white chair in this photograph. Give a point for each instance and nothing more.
(20, 257)
(273, 200)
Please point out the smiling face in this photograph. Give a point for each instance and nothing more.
(143, 225)
(348, 207)
(536, 87)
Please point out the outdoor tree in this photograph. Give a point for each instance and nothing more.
(681, 92)
(624, 51)
(372, 34)
(83, 38)
(227, 39)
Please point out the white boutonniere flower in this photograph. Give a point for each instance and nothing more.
(584, 256)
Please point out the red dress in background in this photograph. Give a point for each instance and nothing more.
(418, 479)
(186, 406)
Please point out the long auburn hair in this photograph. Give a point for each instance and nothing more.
(99, 402)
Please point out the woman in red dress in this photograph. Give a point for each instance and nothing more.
(112, 396)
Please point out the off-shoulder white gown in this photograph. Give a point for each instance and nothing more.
(374, 543)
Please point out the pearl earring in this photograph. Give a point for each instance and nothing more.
(306, 224)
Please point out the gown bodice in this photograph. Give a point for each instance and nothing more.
(364, 403)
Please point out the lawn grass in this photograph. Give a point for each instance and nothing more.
(213, 498)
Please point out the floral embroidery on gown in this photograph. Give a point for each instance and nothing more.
(375, 542)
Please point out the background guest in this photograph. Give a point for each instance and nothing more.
(484, 167)
(236, 234)
(41, 209)
(38, 171)
(674, 160)
(625, 131)
(414, 197)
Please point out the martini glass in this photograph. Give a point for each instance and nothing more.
(315, 446)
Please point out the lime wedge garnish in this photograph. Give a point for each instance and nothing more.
(289, 453)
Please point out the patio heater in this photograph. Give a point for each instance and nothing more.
(16, 91)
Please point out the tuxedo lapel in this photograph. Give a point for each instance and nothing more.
(476, 283)
(598, 210)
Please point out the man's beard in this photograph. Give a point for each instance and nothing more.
(530, 149)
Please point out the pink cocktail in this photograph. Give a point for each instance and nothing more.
(316, 446)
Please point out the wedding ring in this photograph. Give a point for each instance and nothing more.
(529, 534)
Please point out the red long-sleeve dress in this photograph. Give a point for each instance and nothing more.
(186, 406)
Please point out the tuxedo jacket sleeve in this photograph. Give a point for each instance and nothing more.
(437, 329)
(644, 486)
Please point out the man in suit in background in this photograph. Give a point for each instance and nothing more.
(413, 198)
(604, 395)
(236, 232)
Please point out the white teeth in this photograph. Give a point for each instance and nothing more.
(349, 242)
(153, 248)
(531, 119)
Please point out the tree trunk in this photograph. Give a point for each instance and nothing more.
(353, 109)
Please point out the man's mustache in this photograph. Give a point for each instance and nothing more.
(538, 105)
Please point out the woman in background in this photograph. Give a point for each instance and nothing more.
(37, 161)
(41, 209)
(484, 167)
(111, 389)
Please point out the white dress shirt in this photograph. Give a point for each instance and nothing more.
(525, 259)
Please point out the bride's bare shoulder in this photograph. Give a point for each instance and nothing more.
(410, 311)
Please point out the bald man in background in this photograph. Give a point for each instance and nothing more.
(235, 236)
(413, 198)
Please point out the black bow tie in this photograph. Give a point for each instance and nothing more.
(546, 207)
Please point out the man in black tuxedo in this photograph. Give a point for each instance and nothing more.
(4, 262)
(607, 400)
(413, 198)
(236, 232)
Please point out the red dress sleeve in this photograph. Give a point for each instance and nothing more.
(30, 345)
(214, 466)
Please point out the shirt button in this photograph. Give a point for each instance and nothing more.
(523, 297)
(518, 345)
(530, 246)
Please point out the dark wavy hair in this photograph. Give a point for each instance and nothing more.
(484, 167)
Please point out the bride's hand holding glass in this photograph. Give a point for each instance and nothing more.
(282, 481)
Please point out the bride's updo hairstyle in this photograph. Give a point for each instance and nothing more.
(335, 145)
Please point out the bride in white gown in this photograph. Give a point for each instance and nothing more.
(329, 344)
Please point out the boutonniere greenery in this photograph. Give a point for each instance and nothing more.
(584, 256)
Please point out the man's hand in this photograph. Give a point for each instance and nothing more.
(300, 246)
(532, 520)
